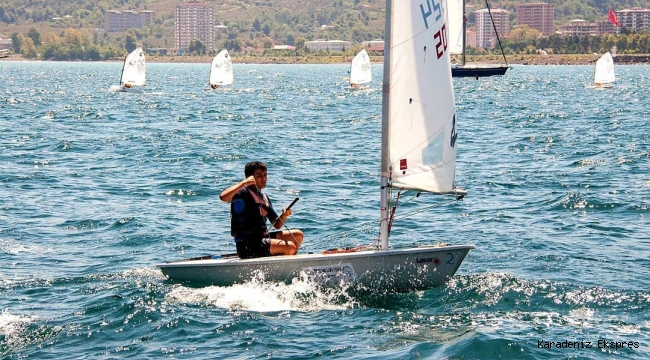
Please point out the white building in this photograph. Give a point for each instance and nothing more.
(579, 27)
(635, 19)
(328, 45)
(485, 35)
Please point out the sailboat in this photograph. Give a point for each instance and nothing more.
(133, 70)
(419, 142)
(458, 40)
(604, 76)
(360, 72)
(221, 70)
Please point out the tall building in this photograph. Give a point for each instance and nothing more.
(118, 21)
(485, 35)
(636, 19)
(536, 16)
(194, 21)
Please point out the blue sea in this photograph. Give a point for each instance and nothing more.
(98, 186)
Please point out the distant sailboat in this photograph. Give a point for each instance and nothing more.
(418, 153)
(604, 73)
(221, 70)
(134, 70)
(457, 21)
(360, 71)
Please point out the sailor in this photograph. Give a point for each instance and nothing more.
(249, 209)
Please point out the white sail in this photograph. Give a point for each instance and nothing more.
(604, 73)
(455, 21)
(360, 72)
(134, 69)
(419, 128)
(221, 69)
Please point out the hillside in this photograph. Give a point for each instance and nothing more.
(252, 22)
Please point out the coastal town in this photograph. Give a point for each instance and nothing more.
(528, 34)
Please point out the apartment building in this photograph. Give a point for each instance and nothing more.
(635, 19)
(605, 27)
(579, 27)
(194, 20)
(485, 35)
(538, 16)
(119, 21)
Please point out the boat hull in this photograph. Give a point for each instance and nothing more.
(478, 71)
(394, 270)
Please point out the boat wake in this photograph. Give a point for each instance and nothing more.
(261, 296)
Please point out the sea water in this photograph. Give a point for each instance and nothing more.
(98, 186)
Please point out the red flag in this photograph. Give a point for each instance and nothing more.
(612, 18)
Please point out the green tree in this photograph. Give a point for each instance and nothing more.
(523, 32)
(17, 40)
(233, 44)
(197, 47)
(291, 40)
(35, 36)
(130, 42)
(28, 49)
(93, 54)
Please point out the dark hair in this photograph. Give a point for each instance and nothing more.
(250, 168)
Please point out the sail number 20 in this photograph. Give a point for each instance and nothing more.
(433, 8)
(441, 44)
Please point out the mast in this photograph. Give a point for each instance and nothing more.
(495, 31)
(385, 111)
(123, 67)
(464, 31)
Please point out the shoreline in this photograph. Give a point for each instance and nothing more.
(525, 59)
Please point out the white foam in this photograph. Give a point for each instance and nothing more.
(15, 248)
(13, 325)
(261, 296)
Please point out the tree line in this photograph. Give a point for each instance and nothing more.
(75, 44)
(70, 44)
(626, 43)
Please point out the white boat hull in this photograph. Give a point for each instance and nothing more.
(398, 270)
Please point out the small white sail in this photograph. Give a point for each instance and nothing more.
(221, 70)
(421, 118)
(604, 73)
(360, 71)
(134, 69)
